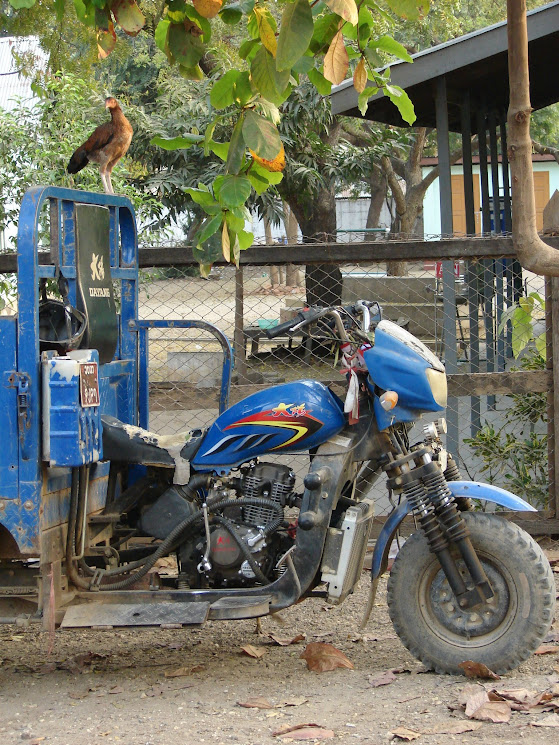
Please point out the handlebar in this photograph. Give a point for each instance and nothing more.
(370, 312)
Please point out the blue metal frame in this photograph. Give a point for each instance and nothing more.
(143, 328)
(118, 380)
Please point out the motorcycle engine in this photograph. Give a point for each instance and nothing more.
(228, 565)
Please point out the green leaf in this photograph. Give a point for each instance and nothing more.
(261, 136)
(296, 32)
(161, 34)
(269, 82)
(85, 12)
(323, 86)
(402, 101)
(251, 45)
(17, 4)
(231, 14)
(202, 23)
(177, 143)
(541, 345)
(221, 94)
(235, 222)
(363, 99)
(236, 148)
(325, 28)
(59, 8)
(305, 64)
(259, 183)
(187, 47)
(191, 73)
(346, 9)
(210, 226)
(221, 149)
(128, 16)
(233, 190)
(391, 46)
(246, 239)
(242, 89)
(203, 197)
(272, 177)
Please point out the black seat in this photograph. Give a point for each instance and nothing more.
(96, 297)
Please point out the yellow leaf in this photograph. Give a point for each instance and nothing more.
(336, 61)
(226, 243)
(208, 8)
(275, 166)
(347, 9)
(360, 76)
(267, 33)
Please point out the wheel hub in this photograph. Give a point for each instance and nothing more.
(477, 621)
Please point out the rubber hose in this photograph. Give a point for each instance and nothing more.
(167, 545)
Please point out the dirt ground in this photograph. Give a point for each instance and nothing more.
(171, 687)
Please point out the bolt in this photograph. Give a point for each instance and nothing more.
(28, 505)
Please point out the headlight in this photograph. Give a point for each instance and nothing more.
(437, 382)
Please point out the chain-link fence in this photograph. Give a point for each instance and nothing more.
(501, 437)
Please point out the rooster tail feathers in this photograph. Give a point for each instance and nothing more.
(78, 161)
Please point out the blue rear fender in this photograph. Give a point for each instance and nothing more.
(471, 489)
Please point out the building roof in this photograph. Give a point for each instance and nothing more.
(476, 62)
(13, 84)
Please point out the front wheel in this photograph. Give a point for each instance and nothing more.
(503, 631)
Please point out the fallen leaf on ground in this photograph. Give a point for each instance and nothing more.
(258, 702)
(303, 732)
(553, 636)
(547, 649)
(477, 670)
(382, 679)
(480, 706)
(252, 651)
(550, 721)
(296, 701)
(522, 698)
(403, 733)
(452, 728)
(321, 657)
(286, 641)
(116, 689)
(76, 695)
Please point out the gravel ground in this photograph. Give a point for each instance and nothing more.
(118, 686)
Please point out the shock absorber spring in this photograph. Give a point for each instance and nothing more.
(444, 505)
(416, 494)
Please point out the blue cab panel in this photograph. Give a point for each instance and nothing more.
(283, 419)
(400, 362)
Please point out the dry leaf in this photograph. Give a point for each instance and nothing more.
(360, 76)
(547, 649)
(286, 641)
(479, 706)
(336, 60)
(116, 689)
(321, 657)
(76, 695)
(252, 651)
(477, 670)
(296, 701)
(382, 679)
(403, 733)
(522, 698)
(303, 732)
(258, 702)
(550, 721)
(452, 728)
(181, 672)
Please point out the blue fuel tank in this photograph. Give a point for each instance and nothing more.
(286, 418)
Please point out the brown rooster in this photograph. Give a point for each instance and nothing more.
(105, 146)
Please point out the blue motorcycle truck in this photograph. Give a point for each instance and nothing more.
(90, 499)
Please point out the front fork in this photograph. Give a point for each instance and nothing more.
(420, 480)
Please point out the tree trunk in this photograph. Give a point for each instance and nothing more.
(532, 252)
(379, 189)
(317, 220)
(293, 274)
(276, 272)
